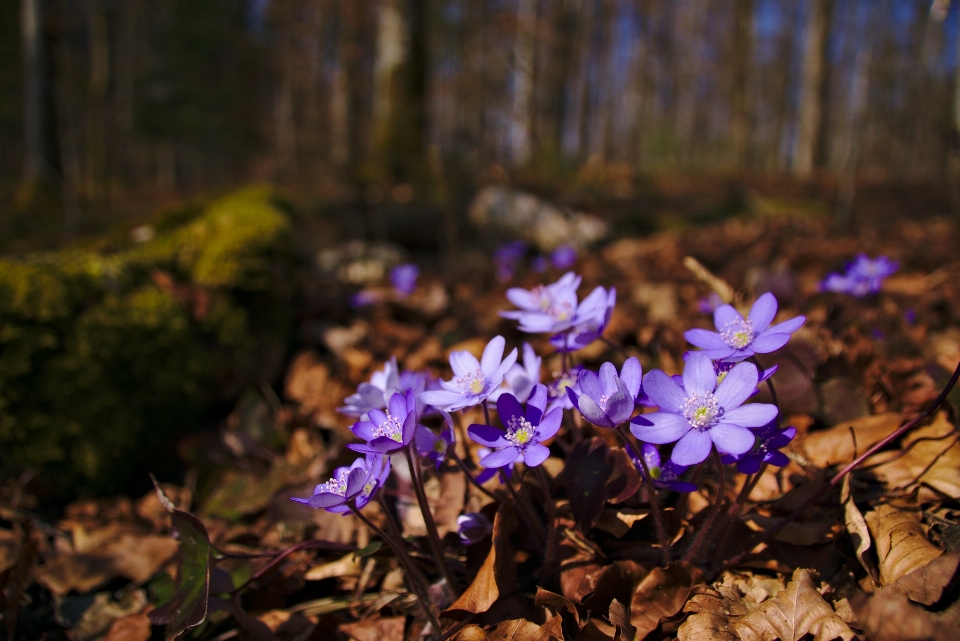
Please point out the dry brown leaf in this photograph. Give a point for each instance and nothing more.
(619, 521)
(614, 581)
(347, 565)
(577, 566)
(889, 616)
(926, 585)
(857, 529)
(706, 626)
(497, 570)
(619, 616)
(557, 602)
(810, 532)
(838, 445)
(513, 630)
(902, 545)
(793, 613)
(134, 627)
(385, 629)
(660, 594)
(930, 456)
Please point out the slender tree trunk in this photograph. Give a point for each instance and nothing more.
(96, 102)
(39, 154)
(741, 125)
(523, 75)
(813, 86)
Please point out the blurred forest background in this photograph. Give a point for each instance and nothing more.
(110, 108)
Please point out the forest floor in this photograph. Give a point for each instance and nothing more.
(876, 557)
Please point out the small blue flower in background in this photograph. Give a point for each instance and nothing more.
(507, 257)
(766, 448)
(539, 264)
(563, 257)
(608, 400)
(863, 276)
(546, 308)
(373, 395)
(525, 431)
(386, 432)
(738, 338)
(365, 297)
(473, 381)
(435, 447)
(356, 483)
(404, 279)
(701, 413)
(473, 527)
(710, 303)
(591, 318)
(520, 379)
(665, 475)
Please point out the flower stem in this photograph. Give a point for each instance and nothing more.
(475, 482)
(408, 568)
(528, 516)
(432, 535)
(654, 495)
(548, 573)
(486, 413)
(727, 521)
(773, 391)
(694, 550)
(903, 429)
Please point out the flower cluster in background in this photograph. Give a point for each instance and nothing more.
(863, 276)
(509, 257)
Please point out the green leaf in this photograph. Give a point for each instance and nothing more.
(188, 606)
(368, 550)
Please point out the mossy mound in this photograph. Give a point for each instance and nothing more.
(105, 359)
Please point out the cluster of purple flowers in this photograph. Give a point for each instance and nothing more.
(508, 257)
(863, 276)
(703, 410)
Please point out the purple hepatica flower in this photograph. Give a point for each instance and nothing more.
(740, 338)
(525, 431)
(373, 395)
(507, 257)
(355, 483)
(591, 318)
(473, 527)
(557, 394)
(665, 475)
(608, 400)
(710, 303)
(386, 432)
(564, 256)
(766, 448)
(520, 379)
(404, 279)
(488, 472)
(433, 447)
(473, 381)
(365, 297)
(701, 413)
(539, 264)
(864, 276)
(551, 308)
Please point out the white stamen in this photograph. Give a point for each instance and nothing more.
(738, 333)
(702, 410)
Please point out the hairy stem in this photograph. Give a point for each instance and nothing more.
(652, 491)
(435, 545)
(548, 554)
(903, 429)
(698, 542)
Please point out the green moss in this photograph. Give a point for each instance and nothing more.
(101, 370)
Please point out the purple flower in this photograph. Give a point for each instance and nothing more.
(608, 400)
(539, 264)
(356, 483)
(489, 472)
(525, 431)
(710, 303)
(365, 297)
(739, 338)
(557, 395)
(386, 432)
(373, 395)
(520, 379)
(591, 318)
(435, 447)
(766, 448)
(473, 381)
(473, 527)
(507, 257)
(404, 279)
(545, 308)
(665, 475)
(564, 256)
(701, 413)
(864, 276)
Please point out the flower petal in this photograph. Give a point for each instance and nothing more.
(663, 391)
(752, 415)
(355, 482)
(445, 400)
(631, 373)
(766, 343)
(463, 362)
(492, 355)
(693, 448)
(507, 407)
(535, 455)
(664, 428)
(487, 435)
(327, 499)
(608, 378)
(788, 326)
(763, 312)
(704, 339)
(699, 377)
(364, 429)
(592, 412)
(497, 376)
(737, 386)
(732, 439)
(398, 406)
(550, 424)
(620, 406)
(724, 315)
(500, 458)
(538, 398)
(590, 385)
(424, 439)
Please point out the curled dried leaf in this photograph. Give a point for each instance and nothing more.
(497, 570)
(902, 546)
(660, 594)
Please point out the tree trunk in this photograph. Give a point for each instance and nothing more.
(39, 150)
(813, 87)
(523, 73)
(740, 125)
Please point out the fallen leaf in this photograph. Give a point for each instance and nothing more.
(289, 626)
(375, 629)
(857, 529)
(576, 567)
(348, 565)
(625, 480)
(902, 546)
(585, 476)
(840, 443)
(614, 581)
(889, 616)
(133, 627)
(620, 617)
(596, 630)
(660, 594)
(619, 521)
(797, 611)
(497, 571)
(926, 585)
(807, 532)
(557, 602)
(706, 626)
(930, 456)
(513, 630)
(104, 612)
